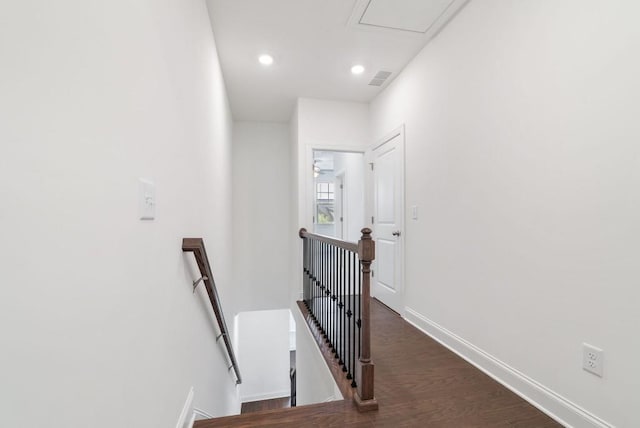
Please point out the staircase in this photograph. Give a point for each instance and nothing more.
(419, 383)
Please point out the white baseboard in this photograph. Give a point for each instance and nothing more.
(185, 420)
(266, 396)
(201, 414)
(559, 408)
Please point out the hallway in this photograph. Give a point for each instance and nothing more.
(419, 383)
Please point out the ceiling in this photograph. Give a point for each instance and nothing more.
(314, 44)
(323, 159)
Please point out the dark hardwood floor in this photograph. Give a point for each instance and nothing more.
(418, 383)
(258, 406)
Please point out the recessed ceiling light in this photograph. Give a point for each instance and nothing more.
(265, 59)
(357, 69)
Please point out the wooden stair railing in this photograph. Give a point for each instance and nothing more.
(196, 246)
(337, 295)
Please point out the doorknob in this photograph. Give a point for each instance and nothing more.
(396, 233)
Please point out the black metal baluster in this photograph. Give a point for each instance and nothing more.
(312, 282)
(334, 299)
(310, 276)
(328, 294)
(347, 359)
(330, 298)
(343, 314)
(359, 308)
(324, 290)
(321, 287)
(354, 267)
(355, 318)
(339, 306)
(305, 270)
(327, 286)
(315, 282)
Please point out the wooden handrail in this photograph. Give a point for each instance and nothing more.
(349, 246)
(196, 246)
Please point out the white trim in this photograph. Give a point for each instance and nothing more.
(308, 190)
(342, 176)
(390, 136)
(438, 24)
(266, 396)
(553, 404)
(202, 413)
(335, 147)
(370, 204)
(186, 410)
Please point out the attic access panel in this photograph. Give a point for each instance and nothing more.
(417, 16)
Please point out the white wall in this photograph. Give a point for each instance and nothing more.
(352, 165)
(296, 210)
(261, 215)
(314, 381)
(97, 318)
(522, 154)
(263, 354)
(333, 123)
(324, 124)
(319, 124)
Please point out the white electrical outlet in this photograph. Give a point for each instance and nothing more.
(592, 359)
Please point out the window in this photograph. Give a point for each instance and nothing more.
(324, 192)
(324, 213)
(325, 197)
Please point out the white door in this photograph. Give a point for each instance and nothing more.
(388, 221)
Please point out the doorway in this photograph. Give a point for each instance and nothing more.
(338, 194)
(388, 220)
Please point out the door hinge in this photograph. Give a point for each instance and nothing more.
(340, 218)
(371, 163)
(372, 220)
(342, 186)
(373, 273)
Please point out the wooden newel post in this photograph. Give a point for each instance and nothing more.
(364, 398)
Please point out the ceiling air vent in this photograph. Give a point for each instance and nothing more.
(380, 78)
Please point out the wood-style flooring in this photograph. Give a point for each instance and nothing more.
(418, 383)
(259, 406)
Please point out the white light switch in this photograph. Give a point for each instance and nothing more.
(414, 212)
(147, 199)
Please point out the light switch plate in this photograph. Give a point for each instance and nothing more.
(147, 199)
(414, 212)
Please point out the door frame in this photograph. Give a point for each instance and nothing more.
(309, 190)
(341, 207)
(370, 205)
